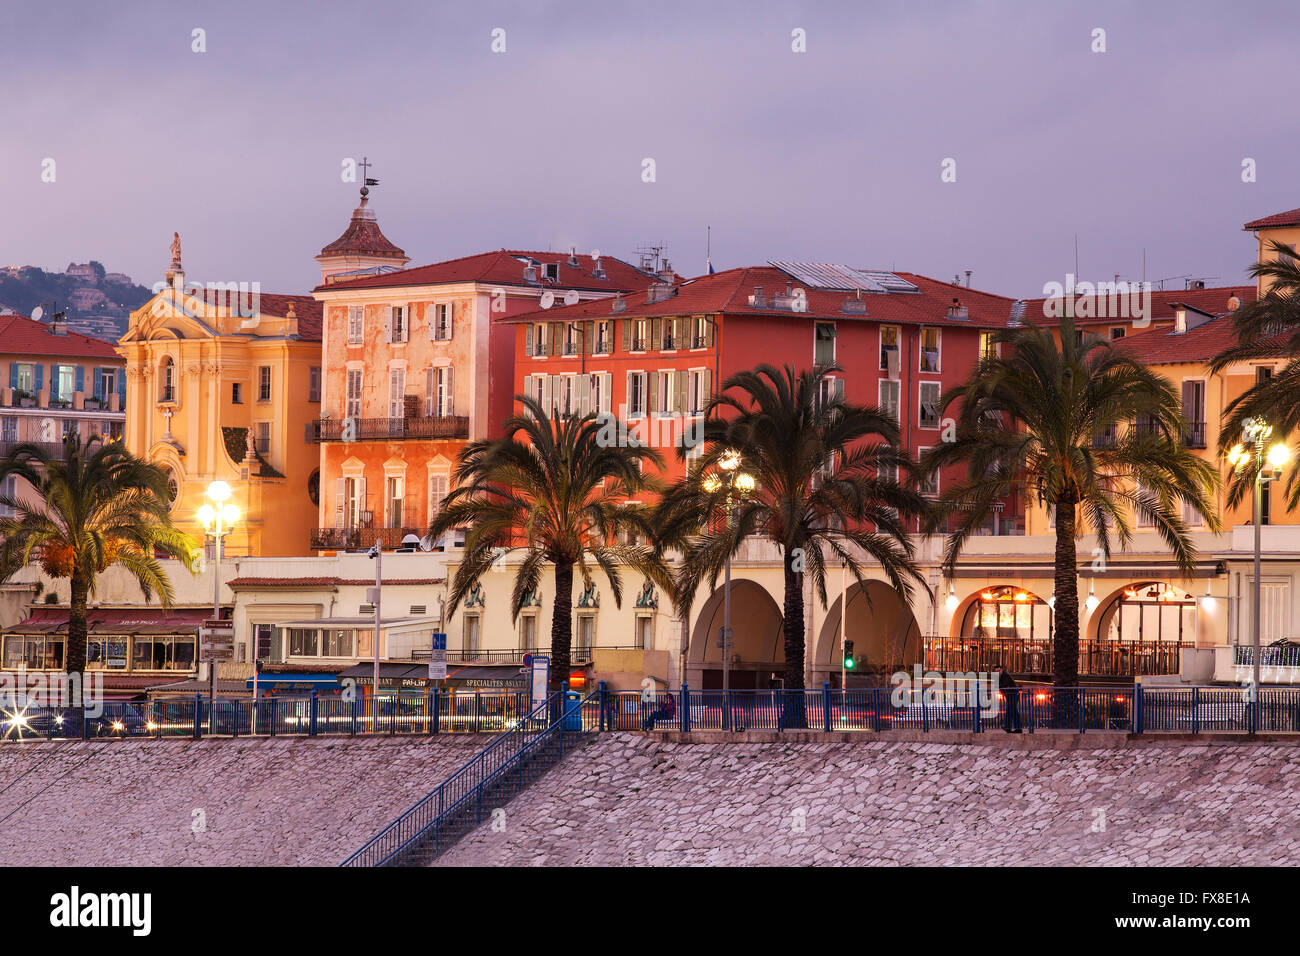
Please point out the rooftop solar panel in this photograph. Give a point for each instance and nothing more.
(821, 275)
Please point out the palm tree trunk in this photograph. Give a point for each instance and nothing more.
(794, 626)
(75, 661)
(562, 625)
(1065, 640)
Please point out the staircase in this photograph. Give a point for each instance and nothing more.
(490, 779)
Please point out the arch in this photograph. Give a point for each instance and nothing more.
(167, 379)
(881, 625)
(758, 646)
(1145, 612)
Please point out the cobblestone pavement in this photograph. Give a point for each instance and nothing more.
(638, 800)
(284, 801)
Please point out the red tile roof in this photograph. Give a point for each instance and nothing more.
(1212, 301)
(1199, 344)
(20, 335)
(504, 267)
(310, 313)
(729, 292)
(363, 237)
(1289, 218)
(263, 583)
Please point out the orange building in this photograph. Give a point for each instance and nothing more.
(415, 367)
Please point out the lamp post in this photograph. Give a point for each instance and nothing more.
(218, 519)
(739, 485)
(1268, 466)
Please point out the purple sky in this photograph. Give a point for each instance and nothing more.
(830, 155)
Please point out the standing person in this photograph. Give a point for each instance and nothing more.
(1010, 700)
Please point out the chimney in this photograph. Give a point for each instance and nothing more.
(968, 273)
(58, 324)
(573, 257)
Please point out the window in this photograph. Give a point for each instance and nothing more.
(170, 653)
(1117, 332)
(702, 332)
(397, 392)
(264, 438)
(321, 642)
(573, 333)
(829, 390)
(9, 428)
(441, 326)
(107, 382)
(824, 343)
(1191, 517)
(264, 383)
(106, 653)
(1266, 503)
(599, 392)
(889, 349)
(23, 375)
(930, 349)
(636, 386)
(439, 392)
(33, 652)
(640, 335)
(167, 380)
(889, 397)
(396, 324)
(1263, 373)
(356, 325)
(988, 348)
(262, 635)
(928, 484)
(586, 636)
(664, 398)
(929, 405)
(352, 501)
(236, 393)
(1194, 412)
(470, 640)
(700, 390)
(313, 384)
(64, 382)
(528, 632)
(8, 489)
(313, 487)
(603, 340)
(354, 393)
(437, 494)
(668, 340)
(393, 500)
(643, 633)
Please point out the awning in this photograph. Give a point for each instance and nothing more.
(287, 683)
(121, 620)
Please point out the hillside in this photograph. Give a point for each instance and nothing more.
(96, 302)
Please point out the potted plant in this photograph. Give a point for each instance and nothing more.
(24, 399)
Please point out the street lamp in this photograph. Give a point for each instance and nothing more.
(218, 519)
(739, 485)
(1268, 466)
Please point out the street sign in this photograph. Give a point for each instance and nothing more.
(217, 640)
(438, 658)
(541, 678)
(723, 641)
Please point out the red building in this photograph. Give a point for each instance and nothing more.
(656, 358)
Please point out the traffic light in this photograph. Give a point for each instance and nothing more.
(849, 662)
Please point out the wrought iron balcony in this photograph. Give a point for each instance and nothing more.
(358, 539)
(388, 429)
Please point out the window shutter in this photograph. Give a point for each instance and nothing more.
(546, 395)
(837, 389)
(81, 379)
(361, 495)
(341, 502)
(450, 403)
(429, 393)
(656, 336)
(13, 374)
(627, 334)
(606, 383)
(589, 338)
(451, 319)
(582, 394)
(96, 382)
(40, 377)
(121, 387)
(388, 323)
(528, 339)
(706, 387)
(652, 404)
(708, 334)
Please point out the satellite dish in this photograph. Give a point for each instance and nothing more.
(595, 253)
(37, 313)
(548, 299)
(571, 297)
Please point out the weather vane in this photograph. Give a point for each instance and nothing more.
(365, 164)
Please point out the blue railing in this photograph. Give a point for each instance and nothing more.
(974, 708)
(491, 778)
(197, 716)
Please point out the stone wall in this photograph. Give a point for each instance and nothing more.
(282, 801)
(638, 800)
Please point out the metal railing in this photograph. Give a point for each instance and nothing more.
(1096, 658)
(494, 775)
(1286, 655)
(356, 539)
(388, 429)
(433, 712)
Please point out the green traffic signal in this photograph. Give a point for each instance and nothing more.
(849, 662)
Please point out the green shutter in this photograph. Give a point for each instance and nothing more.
(627, 334)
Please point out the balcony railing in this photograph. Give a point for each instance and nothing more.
(577, 654)
(1284, 655)
(388, 429)
(358, 539)
(53, 449)
(1096, 658)
(1194, 434)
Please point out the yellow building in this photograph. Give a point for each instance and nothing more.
(1283, 227)
(222, 381)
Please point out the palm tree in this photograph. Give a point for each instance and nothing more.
(1269, 327)
(96, 505)
(825, 483)
(1043, 421)
(554, 489)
